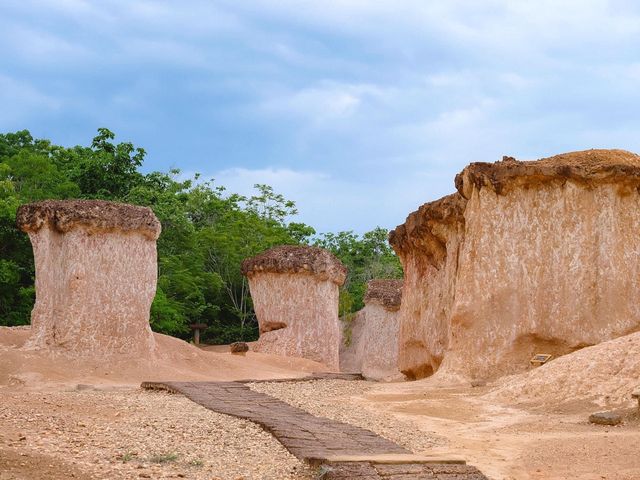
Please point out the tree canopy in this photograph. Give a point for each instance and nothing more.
(206, 233)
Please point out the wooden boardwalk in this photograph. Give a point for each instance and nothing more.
(340, 450)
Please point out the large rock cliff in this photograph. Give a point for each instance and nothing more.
(527, 257)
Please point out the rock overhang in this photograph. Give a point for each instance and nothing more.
(587, 167)
(297, 259)
(94, 215)
(385, 292)
(423, 229)
(595, 166)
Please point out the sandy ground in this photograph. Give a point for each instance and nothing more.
(51, 428)
(66, 417)
(125, 434)
(505, 442)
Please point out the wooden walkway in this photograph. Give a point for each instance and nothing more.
(340, 450)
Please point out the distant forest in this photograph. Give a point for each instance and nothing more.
(206, 233)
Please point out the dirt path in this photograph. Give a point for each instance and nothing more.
(513, 443)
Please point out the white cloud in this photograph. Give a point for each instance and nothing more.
(329, 203)
(321, 103)
(366, 108)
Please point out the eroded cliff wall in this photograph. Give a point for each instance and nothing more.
(544, 260)
(373, 346)
(428, 245)
(380, 343)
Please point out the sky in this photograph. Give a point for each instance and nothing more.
(359, 110)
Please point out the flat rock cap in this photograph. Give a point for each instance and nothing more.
(97, 215)
(297, 259)
(586, 166)
(385, 292)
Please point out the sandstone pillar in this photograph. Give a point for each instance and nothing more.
(96, 276)
(352, 328)
(382, 322)
(295, 297)
(537, 257)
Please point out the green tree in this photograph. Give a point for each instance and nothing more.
(206, 233)
(105, 170)
(366, 257)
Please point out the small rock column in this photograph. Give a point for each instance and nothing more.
(295, 296)
(381, 326)
(96, 274)
(372, 333)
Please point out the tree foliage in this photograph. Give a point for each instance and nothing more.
(206, 233)
(366, 257)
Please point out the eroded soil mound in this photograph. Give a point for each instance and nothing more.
(605, 374)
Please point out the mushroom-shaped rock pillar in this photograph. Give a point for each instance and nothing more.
(295, 296)
(370, 337)
(380, 333)
(96, 274)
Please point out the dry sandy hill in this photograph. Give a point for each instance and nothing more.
(173, 359)
(605, 374)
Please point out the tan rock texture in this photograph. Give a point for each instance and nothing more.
(373, 350)
(384, 292)
(351, 345)
(527, 257)
(96, 276)
(295, 297)
(428, 245)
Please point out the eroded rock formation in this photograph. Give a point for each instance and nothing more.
(380, 352)
(370, 338)
(295, 297)
(351, 342)
(527, 257)
(96, 275)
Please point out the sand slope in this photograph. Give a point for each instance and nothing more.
(174, 359)
(605, 374)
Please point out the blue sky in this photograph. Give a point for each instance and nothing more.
(358, 110)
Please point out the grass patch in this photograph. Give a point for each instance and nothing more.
(127, 457)
(164, 458)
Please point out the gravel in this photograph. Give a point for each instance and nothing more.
(339, 400)
(127, 434)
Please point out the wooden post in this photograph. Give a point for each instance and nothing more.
(196, 327)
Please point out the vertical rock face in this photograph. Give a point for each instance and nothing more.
(96, 276)
(379, 341)
(351, 343)
(428, 245)
(527, 257)
(373, 333)
(295, 297)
